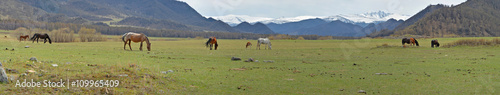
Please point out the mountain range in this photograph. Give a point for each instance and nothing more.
(173, 12)
(471, 18)
(372, 17)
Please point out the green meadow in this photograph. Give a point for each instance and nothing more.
(297, 67)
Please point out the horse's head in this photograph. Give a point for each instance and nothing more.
(149, 46)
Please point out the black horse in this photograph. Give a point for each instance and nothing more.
(434, 42)
(41, 36)
(411, 41)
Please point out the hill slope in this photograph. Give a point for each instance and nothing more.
(258, 28)
(428, 10)
(175, 11)
(472, 18)
(335, 28)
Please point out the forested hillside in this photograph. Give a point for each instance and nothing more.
(470, 19)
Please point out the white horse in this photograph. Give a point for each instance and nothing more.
(264, 41)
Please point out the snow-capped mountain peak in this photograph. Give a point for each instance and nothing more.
(379, 14)
(370, 17)
(234, 20)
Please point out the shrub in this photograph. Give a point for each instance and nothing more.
(474, 42)
(62, 35)
(90, 35)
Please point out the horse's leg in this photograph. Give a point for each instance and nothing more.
(37, 40)
(130, 41)
(216, 45)
(124, 45)
(45, 40)
(258, 46)
(140, 48)
(211, 46)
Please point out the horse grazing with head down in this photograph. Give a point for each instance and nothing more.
(25, 37)
(135, 37)
(41, 36)
(264, 41)
(212, 41)
(411, 41)
(434, 43)
(248, 45)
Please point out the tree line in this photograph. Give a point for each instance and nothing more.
(68, 28)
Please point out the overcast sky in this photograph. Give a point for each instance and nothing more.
(293, 8)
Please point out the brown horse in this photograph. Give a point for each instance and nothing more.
(249, 45)
(135, 37)
(434, 43)
(411, 41)
(212, 41)
(25, 37)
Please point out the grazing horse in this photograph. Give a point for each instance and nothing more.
(135, 37)
(41, 36)
(25, 37)
(264, 41)
(212, 41)
(411, 41)
(434, 42)
(249, 45)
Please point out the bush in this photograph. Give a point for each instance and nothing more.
(62, 35)
(474, 42)
(21, 31)
(325, 38)
(300, 38)
(90, 35)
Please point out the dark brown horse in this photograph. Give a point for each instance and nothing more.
(41, 36)
(411, 41)
(25, 37)
(249, 45)
(212, 41)
(434, 43)
(135, 37)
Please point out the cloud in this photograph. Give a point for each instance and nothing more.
(292, 8)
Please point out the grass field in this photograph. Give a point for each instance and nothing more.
(299, 67)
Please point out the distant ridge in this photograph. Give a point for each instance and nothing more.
(258, 28)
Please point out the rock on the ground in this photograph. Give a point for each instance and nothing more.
(3, 76)
(30, 71)
(26, 46)
(235, 58)
(362, 91)
(33, 59)
(268, 61)
(250, 60)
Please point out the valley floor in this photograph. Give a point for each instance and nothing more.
(186, 66)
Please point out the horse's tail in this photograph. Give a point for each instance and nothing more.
(416, 42)
(33, 38)
(123, 37)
